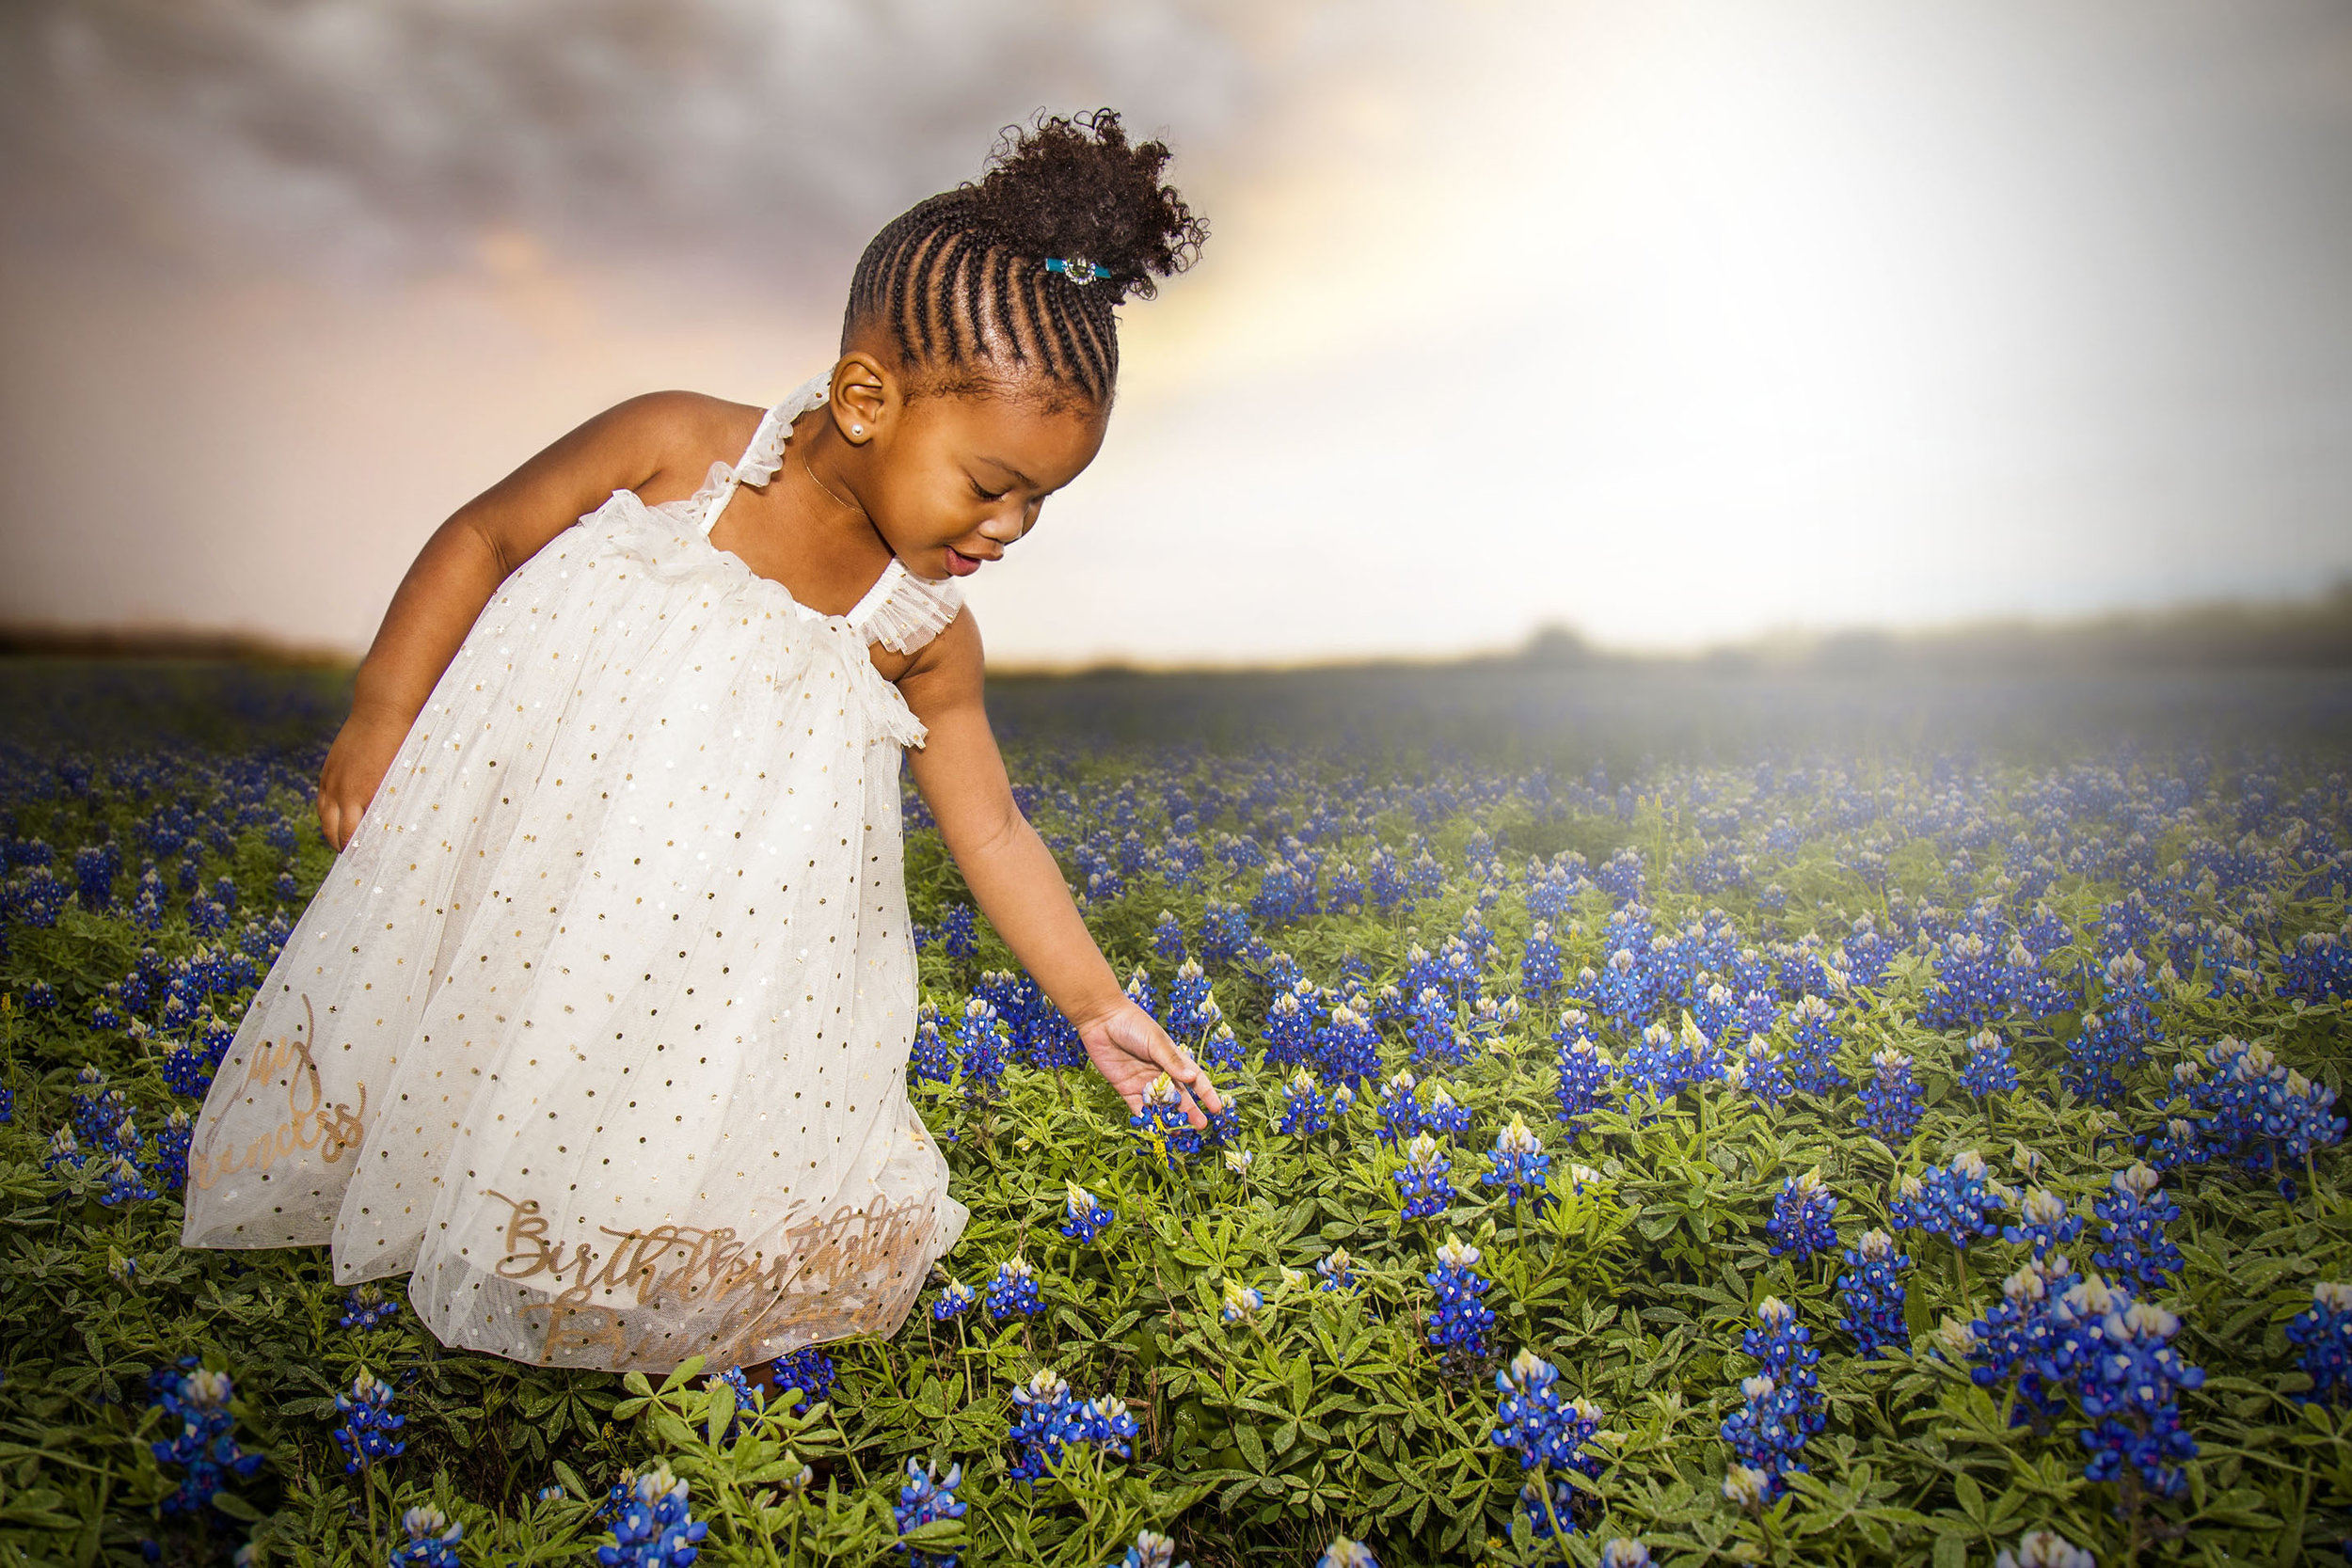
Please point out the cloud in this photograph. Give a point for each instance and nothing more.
(770, 138)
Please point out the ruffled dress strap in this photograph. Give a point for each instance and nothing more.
(901, 612)
(761, 459)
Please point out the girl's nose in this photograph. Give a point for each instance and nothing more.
(1002, 527)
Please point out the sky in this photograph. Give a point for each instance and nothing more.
(1674, 323)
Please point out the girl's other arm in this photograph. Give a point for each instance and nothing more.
(1018, 885)
(630, 446)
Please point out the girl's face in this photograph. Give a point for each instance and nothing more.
(950, 481)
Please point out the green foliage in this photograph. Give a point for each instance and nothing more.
(1325, 1412)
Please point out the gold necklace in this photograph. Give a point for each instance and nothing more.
(809, 469)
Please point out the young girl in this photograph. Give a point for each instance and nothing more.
(598, 1027)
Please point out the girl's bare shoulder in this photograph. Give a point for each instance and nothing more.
(675, 435)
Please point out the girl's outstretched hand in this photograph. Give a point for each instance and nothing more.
(1129, 1049)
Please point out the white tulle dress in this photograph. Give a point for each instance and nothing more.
(598, 1027)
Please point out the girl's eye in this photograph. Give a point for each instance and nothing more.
(986, 495)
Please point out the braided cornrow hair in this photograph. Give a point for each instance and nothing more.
(959, 279)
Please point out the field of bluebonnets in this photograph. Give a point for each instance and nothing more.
(1874, 1125)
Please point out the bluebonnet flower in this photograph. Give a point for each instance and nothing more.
(2132, 1221)
(1624, 1552)
(1461, 1321)
(1141, 993)
(1085, 1215)
(63, 1150)
(926, 1498)
(2249, 1109)
(1242, 1302)
(125, 1184)
(1014, 1289)
(1167, 941)
(2324, 1329)
(7, 1106)
(2042, 1548)
(1890, 1099)
(1812, 1051)
(982, 1041)
(1872, 1290)
(1343, 1551)
(1048, 1419)
(40, 997)
(1223, 1052)
(2130, 1389)
(365, 1435)
(1399, 1108)
(1805, 1215)
(1760, 1071)
(432, 1540)
(1190, 1007)
(1421, 1183)
(1289, 1031)
(954, 1299)
(1584, 1072)
(196, 1401)
(1347, 1047)
(2032, 1335)
(1166, 1127)
(1539, 964)
(1304, 1109)
(1517, 1162)
(1533, 1424)
(1989, 1070)
(1442, 1112)
(1337, 1269)
(1151, 1550)
(2047, 1224)
(958, 932)
(1956, 1202)
(932, 1057)
(98, 1112)
(187, 1070)
(655, 1527)
(809, 1371)
(1782, 1409)
(366, 1307)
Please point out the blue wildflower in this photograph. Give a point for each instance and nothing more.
(1812, 1056)
(1014, 1289)
(1242, 1302)
(1304, 1110)
(2130, 1389)
(2324, 1330)
(1890, 1099)
(1583, 1071)
(1163, 1124)
(1168, 941)
(1399, 1108)
(655, 1527)
(925, 1498)
(1803, 1220)
(1337, 1269)
(432, 1540)
(2047, 1224)
(2042, 1548)
(1518, 1162)
(1461, 1320)
(1085, 1215)
(1782, 1409)
(2131, 1219)
(1989, 1070)
(1442, 1112)
(1423, 1186)
(198, 1402)
(1872, 1290)
(365, 1435)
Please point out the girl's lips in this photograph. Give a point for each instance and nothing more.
(961, 565)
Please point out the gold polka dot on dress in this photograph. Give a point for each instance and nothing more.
(598, 1026)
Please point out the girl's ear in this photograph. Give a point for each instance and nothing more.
(862, 396)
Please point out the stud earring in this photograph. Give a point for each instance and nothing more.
(857, 429)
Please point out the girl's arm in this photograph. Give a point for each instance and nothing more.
(1019, 887)
(634, 445)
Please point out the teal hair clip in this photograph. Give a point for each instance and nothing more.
(1076, 268)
